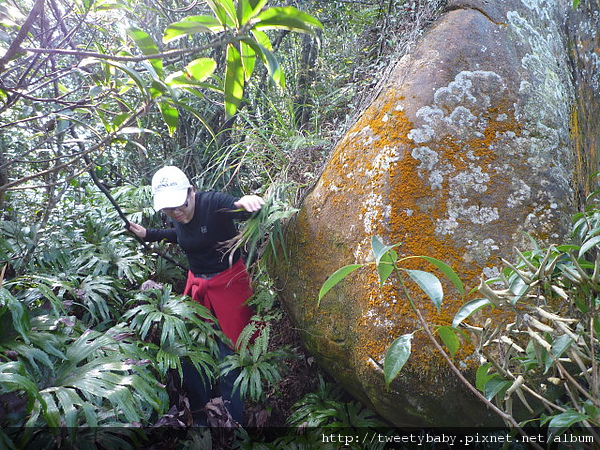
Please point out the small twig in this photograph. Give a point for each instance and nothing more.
(508, 373)
(108, 138)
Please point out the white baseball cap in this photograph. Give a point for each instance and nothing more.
(169, 188)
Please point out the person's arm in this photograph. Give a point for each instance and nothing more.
(153, 235)
(250, 203)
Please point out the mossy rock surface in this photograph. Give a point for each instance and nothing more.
(468, 147)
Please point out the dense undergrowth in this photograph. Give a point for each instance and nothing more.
(93, 338)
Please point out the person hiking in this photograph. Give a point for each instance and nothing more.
(202, 222)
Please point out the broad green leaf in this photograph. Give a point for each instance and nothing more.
(448, 336)
(335, 278)
(273, 67)
(225, 11)
(180, 80)
(469, 308)
(89, 342)
(566, 419)
(135, 76)
(567, 248)
(380, 249)
(430, 284)
(385, 269)
(561, 344)
(256, 7)
(51, 412)
(147, 46)
(588, 245)
(396, 357)
(495, 386)
(269, 60)
(33, 355)
(67, 399)
(262, 39)
(91, 418)
(385, 258)
(247, 9)
(489, 384)
(286, 18)
(143, 40)
(481, 377)
(12, 381)
(201, 68)
(234, 81)
(243, 11)
(576, 3)
(19, 313)
(248, 59)
(169, 114)
(191, 25)
(446, 270)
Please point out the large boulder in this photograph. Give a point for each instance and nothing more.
(466, 149)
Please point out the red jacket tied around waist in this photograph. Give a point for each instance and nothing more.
(225, 295)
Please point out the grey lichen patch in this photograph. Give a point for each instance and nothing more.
(544, 93)
(459, 109)
(480, 249)
(461, 112)
(521, 194)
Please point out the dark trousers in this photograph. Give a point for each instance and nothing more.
(199, 392)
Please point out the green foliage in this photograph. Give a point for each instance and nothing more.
(259, 367)
(246, 28)
(169, 323)
(66, 347)
(134, 74)
(547, 344)
(387, 263)
(72, 375)
(336, 277)
(262, 233)
(327, 407)
(396, 357)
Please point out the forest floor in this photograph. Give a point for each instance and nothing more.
(299, 377)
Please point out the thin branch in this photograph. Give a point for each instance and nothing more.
(111, 199)
(11, 186)
(15, 46)
(163, 55)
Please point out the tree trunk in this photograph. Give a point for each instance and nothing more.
(306, 76)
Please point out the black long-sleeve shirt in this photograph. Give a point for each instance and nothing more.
(202, 237)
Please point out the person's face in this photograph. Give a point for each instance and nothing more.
(185, 212)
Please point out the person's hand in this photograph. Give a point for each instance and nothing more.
(138, 230)
(250, 203)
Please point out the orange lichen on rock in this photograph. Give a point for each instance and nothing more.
(415, 207)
